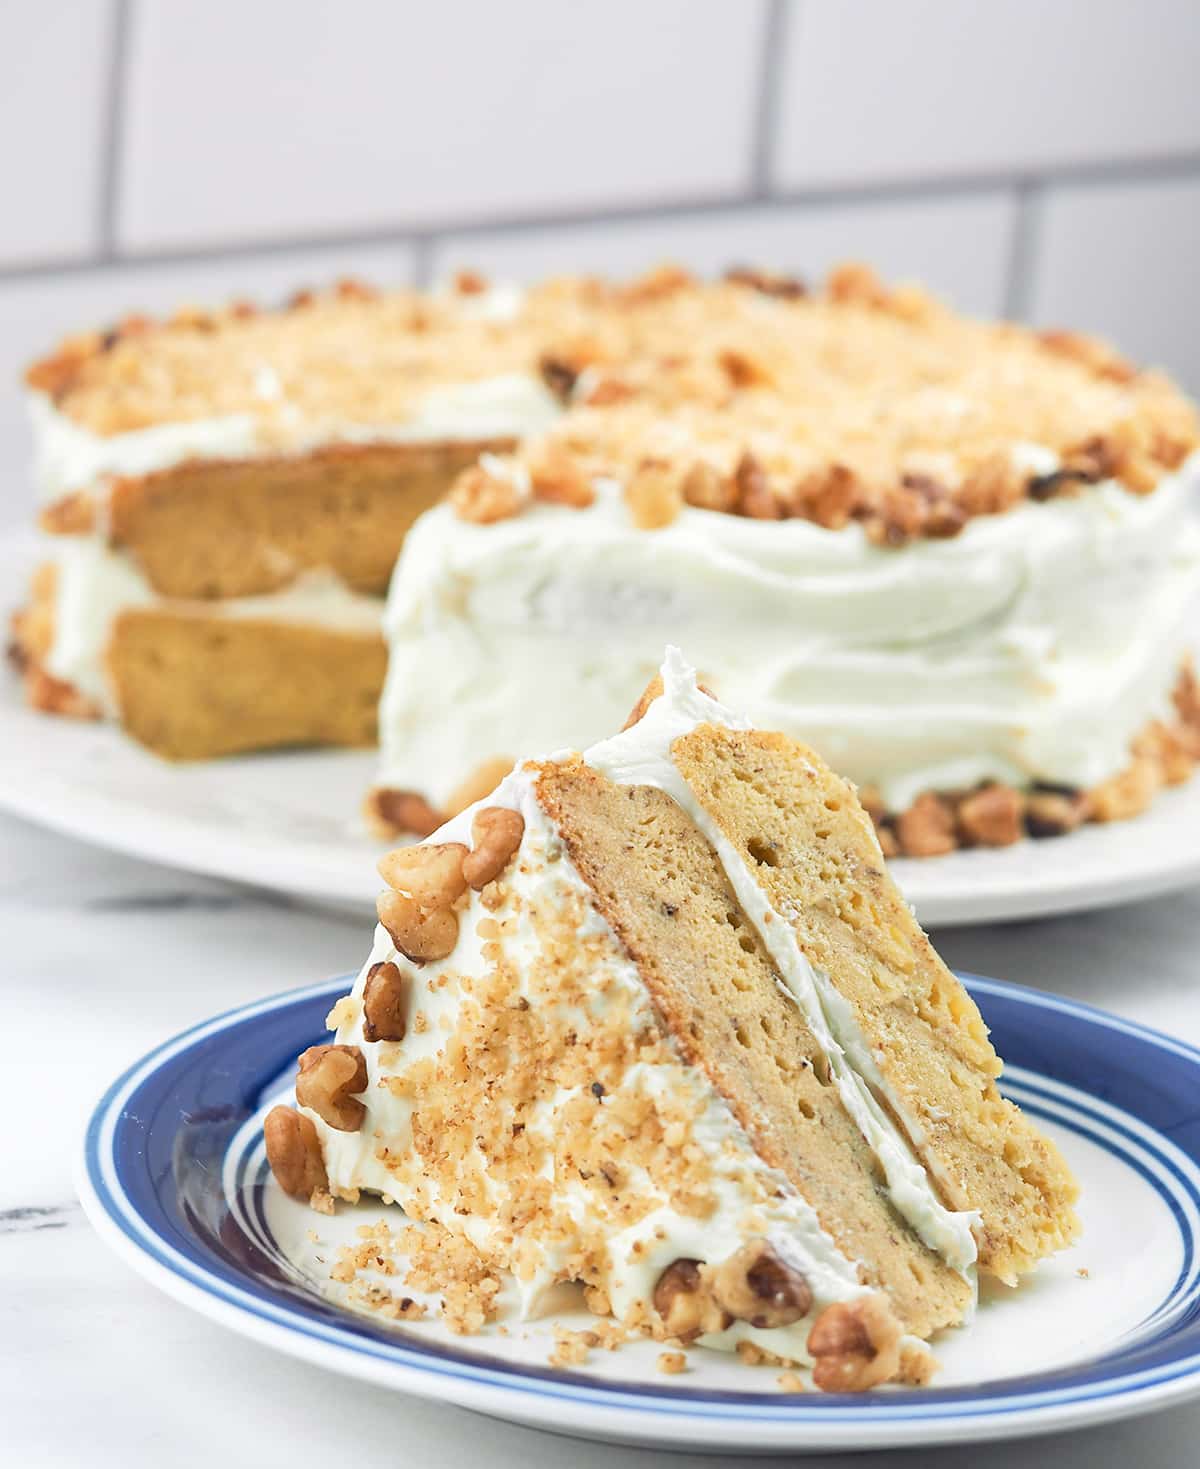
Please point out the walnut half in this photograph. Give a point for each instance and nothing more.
(294, 1152)
(855, 1345)
(756, 1284)
(326, 1077)
(685, 1303)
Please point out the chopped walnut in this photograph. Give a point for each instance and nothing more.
(1127, 794)
(707, 488)
(671, 1362)
(496, 833)
(73, 515)
(483, 497)
(559, 375)
(654, 496)
(756, 1284)
(385, 1003)
(685, 1302)
(559, 479)
(419, 935)
(855, 1345)
(926, 829)
(995, 485)
(991, 817)
(1054, 813)
(755, 499)
(855, 282)
(294, 1153)
(652, 691)
(391, 813)
(326, 1077)
(785, 287)
(431, 873)
(470, 282)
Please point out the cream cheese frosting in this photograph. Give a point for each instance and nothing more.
(94, 585)
(751, 1199)
(1032, 646)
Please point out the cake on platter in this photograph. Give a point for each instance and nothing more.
(958, 557)
(654, 1020)
(226, 493)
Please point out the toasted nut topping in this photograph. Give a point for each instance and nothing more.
(854, 281)
(482, 781)
(470, 282)
(991, 817)
(757, 1285)
(652, 691)
(855, 1345)
(653, 495)
(926, 829)
(829, 497)
(1127, 794)
(559, 375)
(708, 489)
(755, 496)
(1054, 813)
(326, 1077)
(391, 813)
(385, 1003)
(483, 497)
(1174, 749)
(995, 486)
(73, 515)
(294, 1152)
(786, 287)
(685, 1302)
(419, 936)
(559, 479)
(431, 874)
(496, 833)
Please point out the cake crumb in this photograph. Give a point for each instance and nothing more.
(1083, 1273)
(671, 1362)
(571, 1348)
(791, 1382)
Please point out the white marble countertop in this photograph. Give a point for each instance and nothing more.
(103, 957)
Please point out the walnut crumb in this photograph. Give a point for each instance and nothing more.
(791, 1382)
(671, 1362)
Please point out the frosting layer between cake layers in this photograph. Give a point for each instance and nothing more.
(1031, 647)
(95, 585)
(588, 986)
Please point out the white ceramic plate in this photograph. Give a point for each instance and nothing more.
(291, 821)
(173, 1175)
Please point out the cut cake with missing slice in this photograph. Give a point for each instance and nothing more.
(655, 1019)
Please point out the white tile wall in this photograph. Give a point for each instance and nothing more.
(55, 56)
(1123, 260)
(36, 311)
(885, 89)
(531, 136)
(334, 117)
(959, 246)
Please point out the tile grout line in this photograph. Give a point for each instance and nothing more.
(778, 28)
(1023, 253)
(1179, 166)
(112, 130)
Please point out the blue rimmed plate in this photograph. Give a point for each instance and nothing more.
(174, 1177)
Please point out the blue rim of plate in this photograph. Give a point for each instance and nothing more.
(1125, 1087)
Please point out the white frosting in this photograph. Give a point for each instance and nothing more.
(752, 1198)
(68, 456)
(94, 585)
(1034, 645)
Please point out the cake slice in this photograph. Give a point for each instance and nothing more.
(655, 1019)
